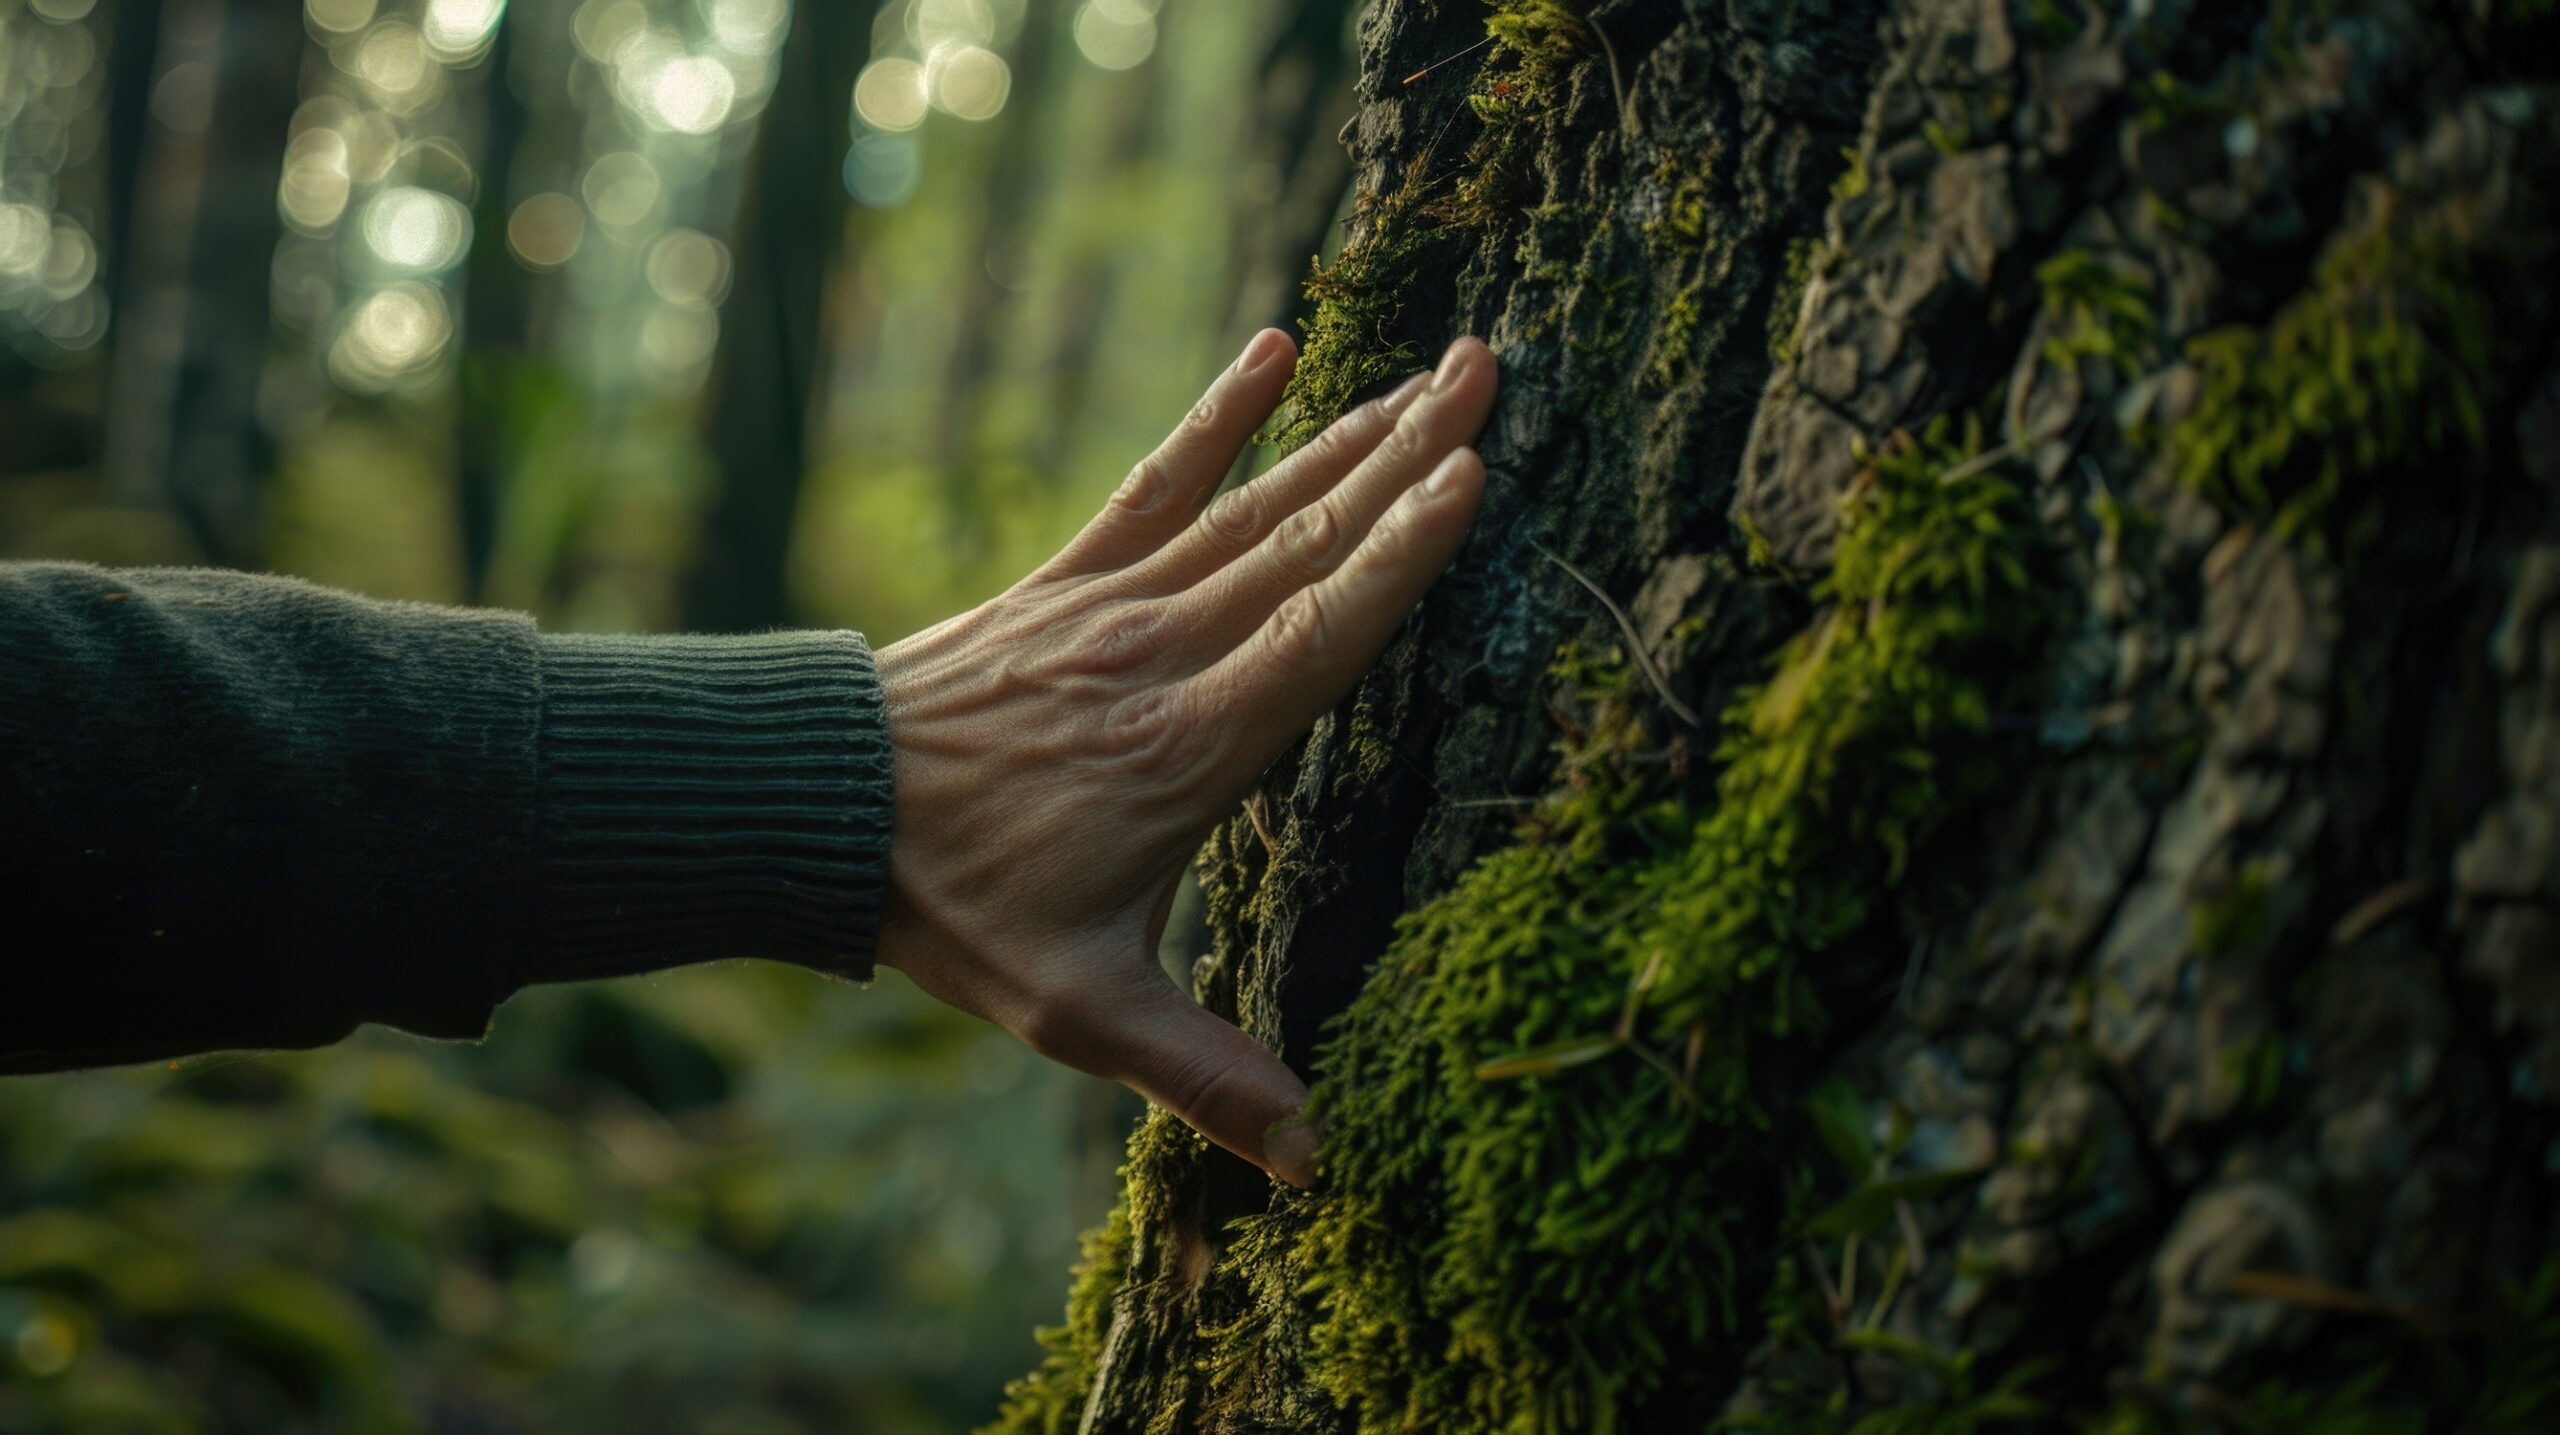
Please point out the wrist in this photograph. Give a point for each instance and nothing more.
(702, 798)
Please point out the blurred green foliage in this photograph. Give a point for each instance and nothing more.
(731, 1199)
(735, 1198)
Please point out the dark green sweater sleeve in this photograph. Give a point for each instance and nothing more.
(246, 812)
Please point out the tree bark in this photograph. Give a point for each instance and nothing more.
(2090, 963)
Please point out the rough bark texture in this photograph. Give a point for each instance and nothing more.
(2091, 965)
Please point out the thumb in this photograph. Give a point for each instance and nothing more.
(1221, 1082)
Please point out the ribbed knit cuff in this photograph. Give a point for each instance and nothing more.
(708, 797)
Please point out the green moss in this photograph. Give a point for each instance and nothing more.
(2384, 359)
(1669, 354)
(2234, 919)
(1542, 1103)
(1050, 1400)
(2105, 313)
(1852, 181)
(1357, 297)
(1547, 34)
(1805, 259)
(2052, 24)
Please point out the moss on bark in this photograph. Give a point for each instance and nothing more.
(2088, 977)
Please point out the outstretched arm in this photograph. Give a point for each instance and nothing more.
(243, 811)
(246, 812)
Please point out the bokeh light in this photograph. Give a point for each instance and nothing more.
(676, 343)
(54, 56)
(600, 27)
(939, 22)
(621, 189)
(889, 94)
(881, 171)
(691, 94)
(393, 62)
(545, 230)
(77, 322)
(969, 82)
(390, 338)
(25, 233)
(456, 31)
(747, 27)
(687, 266)
(338, 17)
(70, 260)
(1116, 34)
(312, 192)
(416, 229)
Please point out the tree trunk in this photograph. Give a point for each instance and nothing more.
(1135, 100)
(199, 246)
(1013, 185)
(790, 228)
(1294, 169)
(497, 320)
(2089, 963)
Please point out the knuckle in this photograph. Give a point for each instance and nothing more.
(1144, 489)
(1330, 445)
(1313, 537)
(1236, 515)
(1390, 543)
(1298, 631)
(1152, 734)
(1121, 637)
(1403, 446)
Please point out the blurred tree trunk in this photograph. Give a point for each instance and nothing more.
(765, 377)
(497, 318)
(2091, 966)
(1290, 186)
(197, 242)
(1013, 187)
(1135, 98)
(133, 62)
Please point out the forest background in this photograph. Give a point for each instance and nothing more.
(639, 314)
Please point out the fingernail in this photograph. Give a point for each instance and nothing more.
(1452, 364)
(1259, 352)
(1404, 395)
(1444, 479)
(1290, 1152)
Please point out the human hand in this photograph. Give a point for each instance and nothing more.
(1062, 750)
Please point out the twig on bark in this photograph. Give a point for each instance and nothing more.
(1626, 629)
